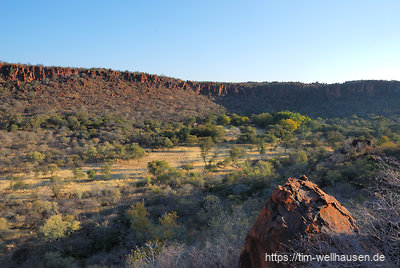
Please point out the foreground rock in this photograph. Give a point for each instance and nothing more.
(297, 208)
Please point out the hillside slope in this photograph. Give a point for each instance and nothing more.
(144, 95)
(41, 89)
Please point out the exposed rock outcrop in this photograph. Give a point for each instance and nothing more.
(297, 208)
(355, 97)
(27, 73)
(136, 95)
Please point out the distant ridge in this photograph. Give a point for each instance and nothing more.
(154, 95)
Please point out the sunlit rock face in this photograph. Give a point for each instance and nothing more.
(297, 208)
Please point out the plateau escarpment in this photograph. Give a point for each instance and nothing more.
(162, 96)
(136, 95)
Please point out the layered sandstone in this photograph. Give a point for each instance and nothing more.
(315, 99)
(27, 73)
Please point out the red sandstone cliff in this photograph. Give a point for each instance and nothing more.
(26, 73)
(357, 97)
(297, 208)
(137, 95)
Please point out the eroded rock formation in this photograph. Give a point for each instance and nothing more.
(315, 99)
(297, 208)
(26, 73)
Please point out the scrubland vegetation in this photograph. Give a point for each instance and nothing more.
(76, 189)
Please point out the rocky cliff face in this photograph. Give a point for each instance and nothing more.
(297, 208)
(357, 97)
(135, 95)
(27, 73)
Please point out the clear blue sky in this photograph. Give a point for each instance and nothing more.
(226, 40)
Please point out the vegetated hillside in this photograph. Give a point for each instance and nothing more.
(136, 95)
(141, 95)
(326, 100)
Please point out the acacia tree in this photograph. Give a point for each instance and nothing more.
(236, 153)
(157, 167)
(136, 152)
(205, 147)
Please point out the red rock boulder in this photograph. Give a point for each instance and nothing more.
(297, 208)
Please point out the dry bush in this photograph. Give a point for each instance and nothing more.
(227, 232)
(179, 255)
(340, 244)
(380, 217)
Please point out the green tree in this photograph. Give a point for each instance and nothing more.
(168, 225)
(139, 221)
(58, 226)
(287, 141)
(236, 153)
(192, 139)
(263, 120)
(288, 124)
(224, 120)
(157, 167)
(334, 137)
(106, 170)
(91, 152)
(136, 152)
(91, 174)
(36, 157)
(78, 173)
(205, 146)
(55, 186)
(261, 147)
(167, 143)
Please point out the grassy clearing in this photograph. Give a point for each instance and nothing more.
(126, 172)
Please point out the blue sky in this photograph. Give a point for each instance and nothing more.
(281, 40)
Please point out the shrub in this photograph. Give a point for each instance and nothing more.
(55, 186)
(91, 174)
(35, 157)
(58, 226)
(44, 207)
(142, 256)
(78, 173)
(263, 120)
(139, 222)
(55, 260)
(380, 217)
(106, 171)
(4, 227)
(135, 152)
(17, 183)
(168, 225)
(188, 167)
(157, 167)
(192, 139)
(195, 179)
(236, 153)
(224, 120)
(113, 194)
